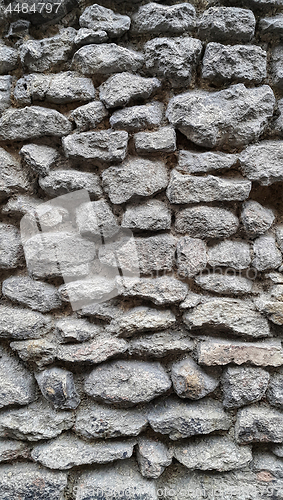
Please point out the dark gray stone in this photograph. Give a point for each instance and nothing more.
(41, 352)
(154, 18)
(256, 219)
(11, 250)
(121, 89)
(58, 387)
(89, 116)
(152, 215)
(161, 141)
(191, 256)
(271, 27)
(103, 146)
(138, 118)
(192, 382)
(206, 222)
(227, 24)
(34, 294)
(275, 390)
(232, 254)
(60, 182)
(277, 67)
(244, 385)
(99, 18)
(153, 457)
(17, 385)
(259, 424)
(105, 59)
(199, 163)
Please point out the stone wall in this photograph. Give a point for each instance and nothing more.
(141, 240)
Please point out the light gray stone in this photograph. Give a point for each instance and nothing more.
(93, 288)
(152, 215)
(47, 216)
(227, 24)
(17, 385)
(137, 118)
(20, 324)
(256, 219)
(192, 382)
(136, 176)
(173, 58)
(93, 352)
(259, 424)
(34, 294)
(11, 449)
(154, 18)
(141, 319)
(103, 146)
(96, 220)
(153, 457)
(243, 385)
(60, 182)
(161, 344)
(271, 27)
(277, 124)
(105, 59)
(121, 89)
(89, 116)
(8, 59)
(277, 67)
(206, 222)
(58, 387)
(161, 290)
(41, 352)
(191, 256)
(161, 141)
(5, 92)
(279, 236)
(127, 383)
(102, 19)
(39, 158)
(262, 162)
(11, 251)
(13, 179)
(181, 419)
(192, 300)
(224, 283)
(190, 162)
(76, 330)
(86, 36)
(275, 390)
(265, 461)
(235, 254)
(266, 254)
(230, 118)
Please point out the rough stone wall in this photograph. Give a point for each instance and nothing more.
(160, 125)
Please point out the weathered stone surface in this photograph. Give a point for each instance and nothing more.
(13, 179)
(72, 329)
(277, 124)
(262, 162)
(31, 122)
(17, 385)
(184, 188)
(181, 419)
(97, 421)
(153, 457)
(271, 306)
(275, 390)
(173, 58)
(234, 63)
(192, 382)
(213, 453)
(103, 146)
(161, 141)
(266, 253)
(221, 352)
(86, 36)
(69, 451)
(5, 92)
(122, 88)
(232, 315)
(192, 300)
(279, 236)
(105, 59)
(142, 319)
(42, 55)
(11, 449)
(88, 116)
(11, 251)
(158, 345)
(35, 422)
(230, 118)
(259, 424)
(45, 216)
(190, 162)
(41, 352)
(271, 27)
(152, 215)
(206, 222)
(277, 67)
(39, 158)
(224, 283)
(101, 19)
(191, 256)
(25, 480)
(58, 387)
(127, 383)
(234, 254)
(92, 352)
(82, 292)
(138, 118)
(60, 182)
(96, 220)
(265, 461)
(243, 385)
(154, 18)
(18, 324)
(136, 176)
(18, 29)
(256, 219)
(8, 59)
(34, 294)
(227, 24)
(162, 290)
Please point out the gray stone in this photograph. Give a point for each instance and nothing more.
(60, 182)
(221, 352)
(256, 219)
(278, 451)
(244, 385)
(275, 390)
(19, 29)
(260, 5)
(262, 162)
(192, 382)
(136, 176)
(58, 387)
(92, 352)
(234, 254)
(266, 253)
(96, 220)
(8, 59)
(103, 146)
(105, 59)
(5, 92)
(31, 122)
(34, 294)
(11, 251)
(224, 284)
(121, 89)
(47, 216)
(141, 319)
(76, 330)
(161, 290)
(138, 118)
(279, 236)
(86, 36)
(17, 385)
(181, 419)
(161, 344)
(93, 288)
(227, 24)
(19, 324)
(42, 55)
(153, 457)
(277, 67)
(106, 311)
(230, 118)
(39, 158)
(192, 300)
(13, 179)
(88, 116)
(173, 58)
(184, 188)
(259, 424)
(206, 222)
(154, 18)
(199, 163)
(271, 27)
(35, 422)
(161, 141)
(97, 421)
(216, 453)
(127, 383)
(229, 315)
(191, 256)
(25, 480)
(41, 352)
(265, 461)
(277, 124)
(152, 215)
(11, 449)
(69, 451)
(102, 19)
(234, 63)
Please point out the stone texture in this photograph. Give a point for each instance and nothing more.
(221, 352)
(95, 288)
(162, 290)
(41, 352)
(102, 146)
(11, 449)
(18, 324)
(191, 256)
(256, 219)
(224, 284)
(229, 253)
(180, 419)
(121, 89)
(141, 319)
(127, 383)
(8, 58)
(11, 251)
(88, 116)
(99, 18)
(5, 92)
(266, 254)
(71, 329)
(161, 141)
(227, 24)
(174, 59)
(190, 162)
(243, 385)
(39, 158)
(262, 162)
(266, 461)
(153, 457)
(34, 294)
(105, 59)
(60, 182)
(275, 390)
(86, 36)
(137, 118)
(192, 382)
(96, 220)
(161, 344)
(152, 215)
(271, 27)
(13, 179)
(230, 118)
(259, 424)
(206, 222)
(92, 352)
(136, 176)
(154, 18)
(17, 385)
(58, 387)
(277, 67)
